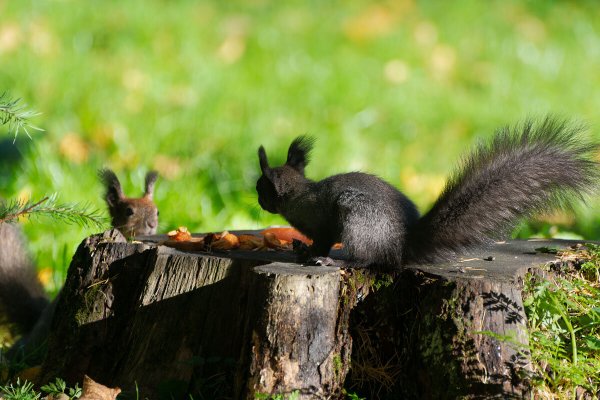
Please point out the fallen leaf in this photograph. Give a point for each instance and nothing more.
(442, 61)
(168, 167)
(74, 148)
(396, 71)
(10, 37)
(426, 34)
(376, 21)
(232, 49)
(59, 396)
(95, 391)
(45, 275)
(30, 374)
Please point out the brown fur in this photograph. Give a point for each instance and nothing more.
(132, 216)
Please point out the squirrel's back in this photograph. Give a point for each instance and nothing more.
(374, 217)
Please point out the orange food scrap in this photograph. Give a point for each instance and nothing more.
(180, 235)
(226, 241)
(251, 242)
(272, 242)
(269, 239)
(182, 239)
(194, 244)
(287, 235)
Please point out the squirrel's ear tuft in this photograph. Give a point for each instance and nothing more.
(299, 153)
(151, 178)
(262, 158)
(114, 193)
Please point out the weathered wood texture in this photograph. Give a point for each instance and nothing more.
(242, 323)
(445, 331)
(292, 324)
(174, 322)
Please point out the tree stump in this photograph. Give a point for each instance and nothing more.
(176, 322)
(240, 324)
(449, 330)
(292, 320)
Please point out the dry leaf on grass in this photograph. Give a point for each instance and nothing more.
(95, 391)
(31, 374)
(60, 396)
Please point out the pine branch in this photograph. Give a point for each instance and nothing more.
(16, 116)
(79, 214)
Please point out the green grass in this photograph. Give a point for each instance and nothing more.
(59, 387)
(24, 390)
(563, 313)
(263, 396)
(19, 391)
(399, 89)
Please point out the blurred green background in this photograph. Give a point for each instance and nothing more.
(400, 89)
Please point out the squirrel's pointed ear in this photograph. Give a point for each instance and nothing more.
(114, 193)
(262, 158)
(149, 184)
(299, 153)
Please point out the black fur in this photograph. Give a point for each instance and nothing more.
(299, 153)
(525, 170)
(532, 168)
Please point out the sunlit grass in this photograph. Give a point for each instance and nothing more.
(563, 313)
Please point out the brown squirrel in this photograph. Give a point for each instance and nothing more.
(132, 216)
(22, 294)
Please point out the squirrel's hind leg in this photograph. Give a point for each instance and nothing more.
(372, 240)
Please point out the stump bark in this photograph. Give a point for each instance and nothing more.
(245, 324)
(177, 322)
(291, 322)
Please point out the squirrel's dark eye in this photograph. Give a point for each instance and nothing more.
(129, 211)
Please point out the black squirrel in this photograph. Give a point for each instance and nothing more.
(531, 168)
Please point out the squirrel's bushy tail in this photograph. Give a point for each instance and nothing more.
(532, 168)
(22, 297)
